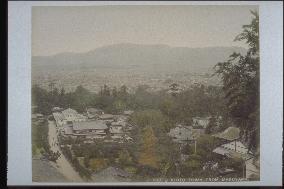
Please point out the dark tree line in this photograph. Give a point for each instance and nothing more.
(240, 77)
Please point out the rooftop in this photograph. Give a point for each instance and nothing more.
(69, 111)
(228, 150)
(58, 116)
(231, 133)
(97, 124)
(106, 116)
(181, 133)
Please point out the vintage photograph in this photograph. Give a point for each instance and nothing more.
(145, 93)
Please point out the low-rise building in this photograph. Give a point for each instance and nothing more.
(200, 122)
(184, 134)
(96, 127)
(106, 117)
(73, 115)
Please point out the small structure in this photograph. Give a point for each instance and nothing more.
(72, 115)
(90, 128)
(200, 122)
(184, 134)
(234, 149)
(106, 117)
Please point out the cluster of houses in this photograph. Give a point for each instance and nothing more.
(93, 124)
(231, 145)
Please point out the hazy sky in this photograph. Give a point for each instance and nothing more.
(80, 29)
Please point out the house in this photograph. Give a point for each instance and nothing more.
(73, 115)
(106, 117)
(200, 122)
(184, 134)
(234, 149)
(95, 128)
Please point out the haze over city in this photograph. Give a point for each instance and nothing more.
(81, 29)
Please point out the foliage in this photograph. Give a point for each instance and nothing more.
(205, 144)
(97, 164)
(154, 118)
(240, 77)
(148, 155)
(125, 158)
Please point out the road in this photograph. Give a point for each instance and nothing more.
(63, 165)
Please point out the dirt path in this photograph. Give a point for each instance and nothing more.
(63, 165)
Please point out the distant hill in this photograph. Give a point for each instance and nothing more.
(141, 57)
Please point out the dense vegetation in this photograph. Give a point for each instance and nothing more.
(240, 76)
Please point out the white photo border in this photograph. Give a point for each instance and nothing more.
(19, 90)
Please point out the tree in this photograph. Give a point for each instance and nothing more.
(124, 157)
(240, 77)
(154, 118)
(211, 126)
(148, 155)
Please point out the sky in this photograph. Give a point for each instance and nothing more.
(84, 28)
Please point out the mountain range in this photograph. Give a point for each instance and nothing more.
(138, 57)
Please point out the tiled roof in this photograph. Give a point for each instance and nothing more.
(106, 116)
(231, 133)
(228, 150)
(69, 111)
(97, 124)
(58, 116)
